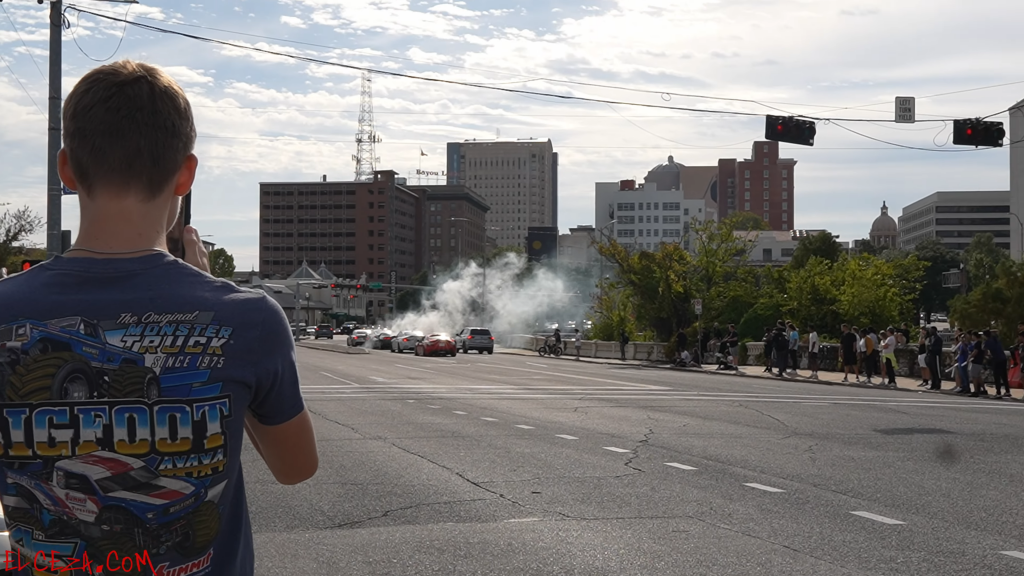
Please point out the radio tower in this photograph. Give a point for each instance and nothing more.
(366, 138)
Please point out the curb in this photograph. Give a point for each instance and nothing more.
(742, 374)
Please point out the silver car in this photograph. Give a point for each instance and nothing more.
(406, 340)
(358, 337)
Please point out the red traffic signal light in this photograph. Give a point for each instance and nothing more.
(976, 132)
(359, 286)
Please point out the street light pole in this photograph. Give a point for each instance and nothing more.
(1021, 234)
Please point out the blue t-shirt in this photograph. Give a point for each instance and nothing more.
(125, 385)
(995, 348)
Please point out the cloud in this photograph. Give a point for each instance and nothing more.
(859, 12)
(186, 75)
(293, 21)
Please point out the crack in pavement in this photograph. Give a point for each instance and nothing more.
(387, 513)
(635, 453)
(764, 414)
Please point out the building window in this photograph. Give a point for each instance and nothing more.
(670, 220)
(746, 195)
(766, 194)
(381, 262)
(765, 205)
(371, 205)
(670, 233)
(655, 219)
(452, 242)
(765, 183)
(371, 219)
(625, 233)
(785, 173)
(746, 206)
(625, 207)
(648, 219)
(765, 216)
(765, 161)
(369, 261)
(369, 247)
(765, 173)
(746, 173)
(370, 232)
(787, 252)
(766, 254)
(746, 184)
(655, 205)
(785, 194)
(671, 206)
(655, 232)
(785, 205)
(785, 183)
(766, 148)
(686, 211)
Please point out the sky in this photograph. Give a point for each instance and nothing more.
(262, 117)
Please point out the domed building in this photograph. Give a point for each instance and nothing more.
(884, 231)
(666, 176)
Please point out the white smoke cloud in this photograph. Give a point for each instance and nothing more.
(514, 302)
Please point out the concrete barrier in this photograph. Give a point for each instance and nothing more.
(330, 348)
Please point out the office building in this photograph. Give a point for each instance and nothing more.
(642, 216)
(957, 217)
(577, 247)
(453, 227)
(517, 178)
(762, 184)
(353, 228)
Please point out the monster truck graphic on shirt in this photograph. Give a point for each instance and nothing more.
(69, 359)
(114, 502)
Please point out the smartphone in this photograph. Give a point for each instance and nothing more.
(176, 236)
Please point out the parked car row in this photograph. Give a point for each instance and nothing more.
(467, 340)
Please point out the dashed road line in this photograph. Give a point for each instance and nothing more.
(541, 365)
(1014, 554)
(566, 436)
(489, 419)
(524, 426)
(411, 368)
(766, 488)
(680, 466)
(410, 400)
(339, 379)
(877, 518)
(429, 406)
(458, 412)
(614, 449)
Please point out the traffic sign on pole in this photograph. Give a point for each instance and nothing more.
(376, 285)
(697, 305)
(906, 110)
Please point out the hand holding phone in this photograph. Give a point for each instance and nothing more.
(176, 235)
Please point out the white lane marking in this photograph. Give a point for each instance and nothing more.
(614, 449)
(815, 403)
(524, 426)
(489, 419)
(525, 520)
(541, 365)
(457, 412)
(1014, 554)
(410, 400)
(339, 379)
(680, 466)
(380, 379)
(429, 406)
(411, 368)
(630, 384)
(877, 518)
(766, 488)
(566, 436)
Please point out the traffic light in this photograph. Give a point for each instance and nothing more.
(335, 286)
(790, 130)
(977, 132)
(26, 264)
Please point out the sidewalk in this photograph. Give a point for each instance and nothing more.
(824, 378)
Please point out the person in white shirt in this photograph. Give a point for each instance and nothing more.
(812, 351)
(889, 355)
(579, 343)
(862, 353)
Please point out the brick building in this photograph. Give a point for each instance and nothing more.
(354, 228)
(453, 225)
(762, 185)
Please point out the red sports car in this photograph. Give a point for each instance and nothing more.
(436, 344)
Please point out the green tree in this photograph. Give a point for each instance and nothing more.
(866, 246)
(822, 245)
(719, 267)
(15, 229)
(812, 296)
(222, 264)
(876, 292)
(748, 221)
(938, 259)
(982, 258)
(999, 301)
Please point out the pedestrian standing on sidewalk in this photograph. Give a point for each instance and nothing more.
(935, 358)
(780, 342)
(812, 351)
(578, 343)
(848, 350)
(922, 359)
(905, 332)
(962, 354)
(997, 356)
(732, 340)
(623, 341)
(889, 355)
(794, 348)
(977, 363)
(768, 355)
(867, 354)
(876, 354)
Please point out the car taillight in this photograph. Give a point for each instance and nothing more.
(469, 337)
(405, 339)
(492, 337)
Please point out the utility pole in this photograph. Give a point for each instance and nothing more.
(53, 187)
(366, 137)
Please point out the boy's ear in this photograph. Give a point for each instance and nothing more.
(186, 175)
(64, 170)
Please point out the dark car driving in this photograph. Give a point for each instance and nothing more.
(324, 331)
